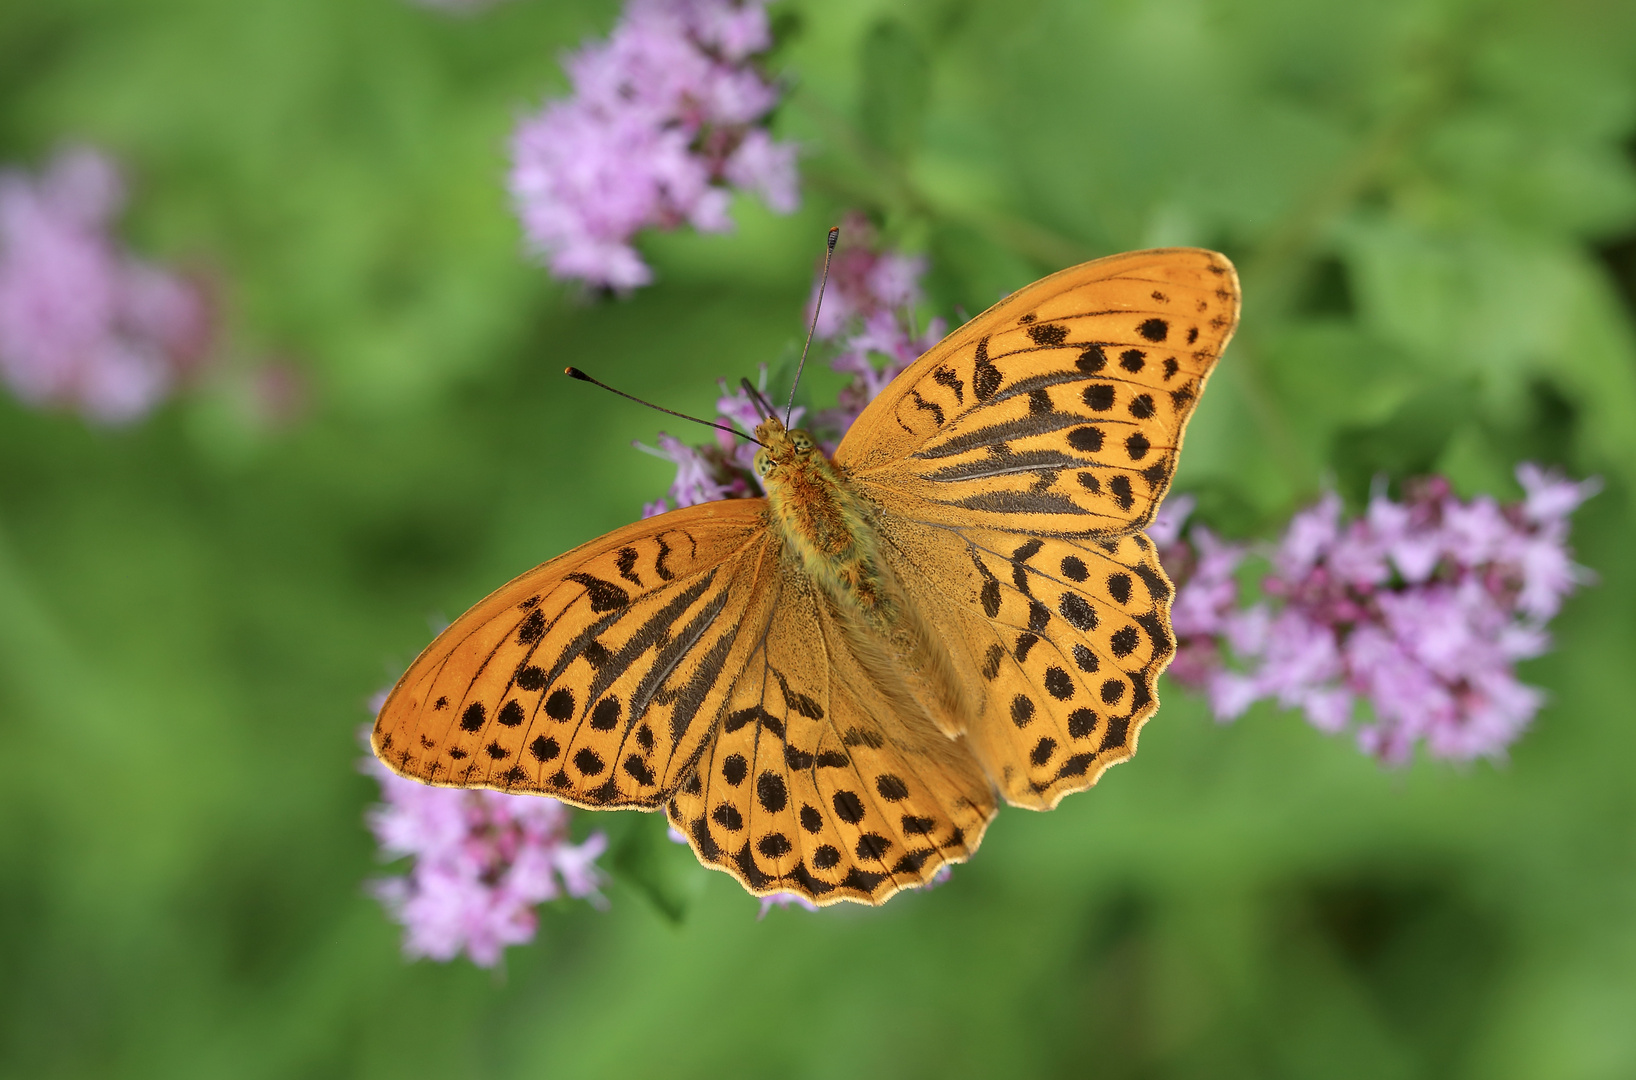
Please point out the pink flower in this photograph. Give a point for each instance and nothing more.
(483, 860)
(722, 468)
(876, 340)
(663, 123)
(82, 323)
(1418, 609)
(865, 280)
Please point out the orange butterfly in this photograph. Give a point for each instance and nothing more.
(829, 689)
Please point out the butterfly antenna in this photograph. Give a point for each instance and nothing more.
(576, 373)
(829, 253)
(761, 402)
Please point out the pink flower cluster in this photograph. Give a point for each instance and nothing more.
(666, 118)
(83, 323)
(868, 317)
(720, 469)
(869, 313)
(1418, 609)
(482, 861)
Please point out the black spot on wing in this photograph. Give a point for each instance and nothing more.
(986, 377)
(945, 377)
(626, 563)
(560, 704)
(1119, 587)
(1048, 334)
(638, 770)
(532, 628)
(1157, 473)
(848, 807)
(604, 595)
(800, 703)
(1157, 587)
(991, 662)
(1086, 440)
(927, 406)
(659, 566)
(864, 881)
(803, 877)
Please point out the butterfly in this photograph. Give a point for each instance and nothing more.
(828, 690)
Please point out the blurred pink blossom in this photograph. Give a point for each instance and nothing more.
(663, 123)
(83, 323)
(1418, 610)
(721, 468)
(874, 340)
(482, 861)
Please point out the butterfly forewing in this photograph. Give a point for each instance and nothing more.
(595, 677)
(814, 786)
(1060, 410)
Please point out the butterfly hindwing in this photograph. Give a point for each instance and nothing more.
(1065, 638)
(594, 678)
(812, 784)
(1060, 410)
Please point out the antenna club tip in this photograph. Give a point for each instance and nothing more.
(834, 235)
(576, 373)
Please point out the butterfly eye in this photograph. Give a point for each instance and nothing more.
(764, 463)
(801, 441)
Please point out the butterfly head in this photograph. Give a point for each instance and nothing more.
(781, 446)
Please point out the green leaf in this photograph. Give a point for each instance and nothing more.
(663, 872)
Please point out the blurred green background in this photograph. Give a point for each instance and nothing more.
(1434, 210)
